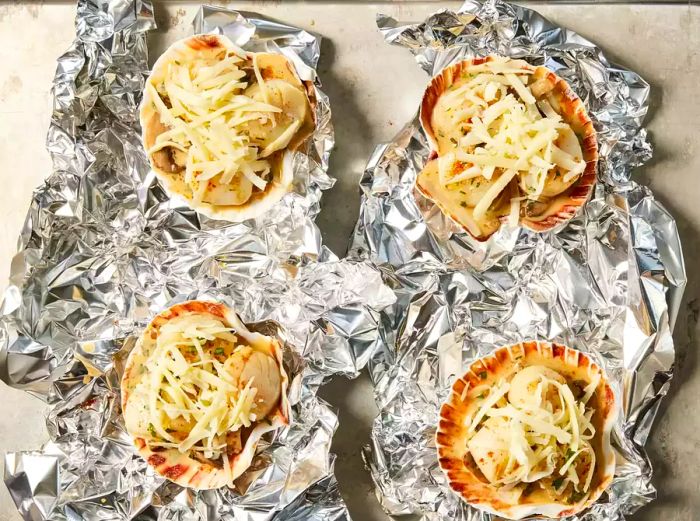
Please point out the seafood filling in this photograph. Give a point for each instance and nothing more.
(201, 389)
(533, 432)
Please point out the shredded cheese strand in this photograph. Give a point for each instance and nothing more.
(502, 127)
(193, 405)
(530, 427)
(209, 114)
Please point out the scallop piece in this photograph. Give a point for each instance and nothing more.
(136, 412)
(555, 182)
(457, 200)
(274, 131)
(246, 364)
(523, 386)
(180, 427)
(490, 448)
(237, 192)
(451, 121)
(169, 159)
(265, 373)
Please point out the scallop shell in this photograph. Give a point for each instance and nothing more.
(184, 469)
(428, 186)
(451, 433)
(273, 66)
(561, 208)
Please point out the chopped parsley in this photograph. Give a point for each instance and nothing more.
(557, 483)
(569, 454)
(576, 497)
(219, 351)
(151, 430)
(483, 375)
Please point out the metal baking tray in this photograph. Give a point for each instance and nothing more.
(374, 89)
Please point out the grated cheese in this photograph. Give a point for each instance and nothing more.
(531, 427)
(494, 124)
(209, 115)
(194, 405)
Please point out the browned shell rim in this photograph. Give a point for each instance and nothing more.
(180, 468)
(571, 108)
(272, 66)
(437, 86)
(451, 426)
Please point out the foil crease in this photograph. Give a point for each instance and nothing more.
(608, 283)
(103, 250)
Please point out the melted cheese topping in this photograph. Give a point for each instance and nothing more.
(490, 124)
(193, 396)
(221, 128)
(529, 428)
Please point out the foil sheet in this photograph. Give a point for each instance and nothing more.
(103, 250)
(608, 283)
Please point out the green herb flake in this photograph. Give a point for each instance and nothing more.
(576, 497)
(557, 483)
(569, 454)
(453, 140)
(151, 430)
(482, 396)
(219, 351)
(483, 375)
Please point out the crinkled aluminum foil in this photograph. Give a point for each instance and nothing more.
(608, 283)
(103, 250)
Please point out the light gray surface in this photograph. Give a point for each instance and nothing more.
(374, 89)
